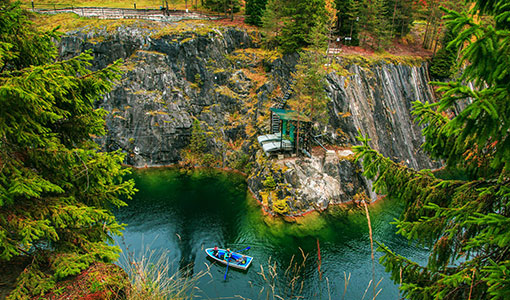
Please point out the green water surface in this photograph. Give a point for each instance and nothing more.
(184, 213)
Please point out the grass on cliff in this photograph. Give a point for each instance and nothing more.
(140, 4)
(377, 58)
(69, 21)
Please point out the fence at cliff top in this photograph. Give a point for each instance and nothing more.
(129, 13)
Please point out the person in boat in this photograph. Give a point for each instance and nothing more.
(241, 260)
(228, 254)
(215, 251)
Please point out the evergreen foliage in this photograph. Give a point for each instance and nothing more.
(372, 23)
(289, 25)
(198, 142)
(401, 15)
(223, 5)
(254, 11)
(465, 222)
(272, 23)
(304, 16)
(196, 153)
(346, 26)
(56, 187)
(443, 63)
(374, 20)
(310, 96)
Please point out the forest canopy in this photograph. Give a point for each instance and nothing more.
(367, 23)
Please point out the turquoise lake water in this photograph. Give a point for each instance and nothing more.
(183, 213)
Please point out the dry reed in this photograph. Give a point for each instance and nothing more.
(151, 276)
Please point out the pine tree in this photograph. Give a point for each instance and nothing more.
(443, 63)
(310, 96)
(272, 23)
(226, 6)
(304, 15)
(344, 19)
(289, 25)
(372, 23)
(401, 16)
(56, 187)
(351, 13)
(254, 11)
(198, 141)
(463, 220)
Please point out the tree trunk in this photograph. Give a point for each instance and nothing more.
(429, 22)
(393, 19)
(434, 33)
(437, 40)
(231, 10)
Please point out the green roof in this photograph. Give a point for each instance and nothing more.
(290, 115)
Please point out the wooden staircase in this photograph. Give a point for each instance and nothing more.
(280, 103)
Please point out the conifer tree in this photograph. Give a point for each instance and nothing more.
(289, 25)
(344, 19)
(310, 96)
(349, 20)
(254, 11)
(226, 6)
(272, 23)
(443, 63)
(303, 16)
(56, 187)
(372, 23)
(463, 220)
(401, 16)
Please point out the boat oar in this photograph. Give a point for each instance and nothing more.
(228, 260)
(243, 249)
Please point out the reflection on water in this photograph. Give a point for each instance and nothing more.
(184, 213)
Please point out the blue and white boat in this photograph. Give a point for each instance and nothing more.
(237, 260)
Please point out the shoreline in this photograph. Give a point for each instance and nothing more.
(264, 208)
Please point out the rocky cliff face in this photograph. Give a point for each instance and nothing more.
(168, 82)
(220, 79)
(377, 101)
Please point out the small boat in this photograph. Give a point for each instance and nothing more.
(237, 261)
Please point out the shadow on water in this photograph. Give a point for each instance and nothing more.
(184, 213)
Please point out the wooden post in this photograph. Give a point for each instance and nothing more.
(297, 140)
(231, 10)
(320, 261)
